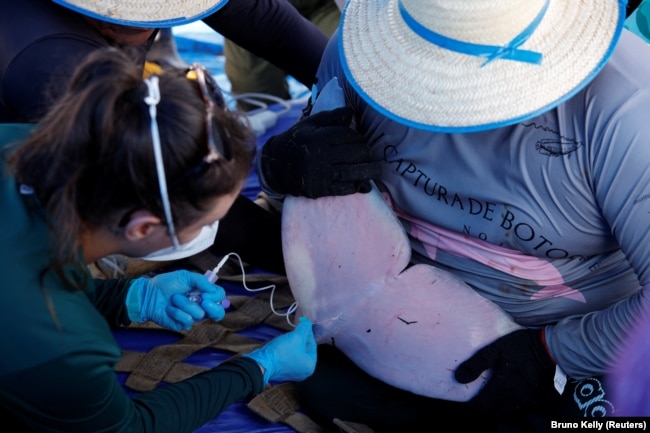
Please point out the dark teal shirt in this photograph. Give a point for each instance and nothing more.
(58, 351)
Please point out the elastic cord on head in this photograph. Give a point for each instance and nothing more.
(152, 99)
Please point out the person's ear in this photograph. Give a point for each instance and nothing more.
(141, 225)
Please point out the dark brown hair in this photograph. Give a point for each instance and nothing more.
(90, 159)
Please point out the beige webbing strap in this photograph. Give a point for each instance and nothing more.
(352, 427)
(166, 362)
(162, 362)
(248, 311)
(278, 404)
(130, 361)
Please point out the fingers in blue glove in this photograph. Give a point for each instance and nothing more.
(305, 330)
(185, 311)
(213, 303)
(290, 356)
(214, 310)
(162, 300)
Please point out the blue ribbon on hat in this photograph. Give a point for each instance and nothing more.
(510, 51)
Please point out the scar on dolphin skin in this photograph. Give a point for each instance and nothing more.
(406, 321)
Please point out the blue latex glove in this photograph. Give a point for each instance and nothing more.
(290, 356)
(162, 300)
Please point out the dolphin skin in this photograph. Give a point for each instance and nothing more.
(347, 263)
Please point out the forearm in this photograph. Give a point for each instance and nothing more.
(587, 345)
(40, 73)
(274, 31)
(194, 401)
(85, 396)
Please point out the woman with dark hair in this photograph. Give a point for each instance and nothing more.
(133, 166)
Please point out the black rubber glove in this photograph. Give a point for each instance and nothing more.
(521, 374)
(319, 156)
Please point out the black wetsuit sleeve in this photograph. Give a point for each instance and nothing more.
(273, 30)
(39, 75)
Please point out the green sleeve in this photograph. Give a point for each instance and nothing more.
(80, 393)
(218, 388)
(110, 300)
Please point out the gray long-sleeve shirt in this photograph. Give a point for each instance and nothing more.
(549, 218)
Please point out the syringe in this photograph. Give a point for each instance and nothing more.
(195, 295)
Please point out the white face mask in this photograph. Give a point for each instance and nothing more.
(204, 240)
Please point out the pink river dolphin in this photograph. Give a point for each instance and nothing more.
(347, 263)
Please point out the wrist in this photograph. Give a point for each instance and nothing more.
(259, 358)
(263, 370)
(261, 167)
(134, 300)
(545, 345)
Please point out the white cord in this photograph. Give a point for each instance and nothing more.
(262, 118)
(254, 99)
(261, 105)
(290, 310)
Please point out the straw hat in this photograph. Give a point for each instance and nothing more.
(145, 13)
(437, 64)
